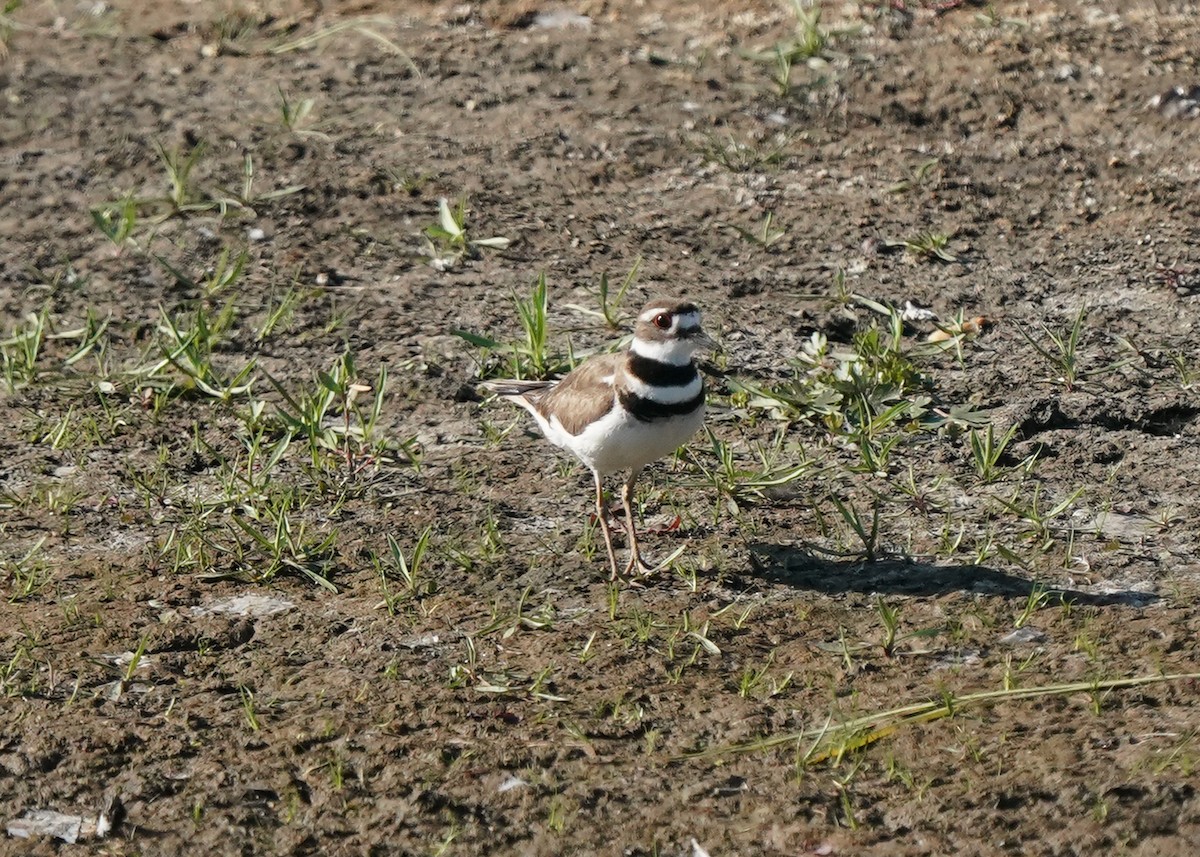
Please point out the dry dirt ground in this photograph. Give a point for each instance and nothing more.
(250, 610)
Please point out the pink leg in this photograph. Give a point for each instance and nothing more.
(602, 516)
(636, 564)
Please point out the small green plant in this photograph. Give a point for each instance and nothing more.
(742, 157)
(845, 797)
(190, 350)
(117, 220)
(1186, 373)
(858, 391)
(231, 33)
(765, 235)
(1029, 509)
(19, 353)
(294, 114)
(532, 314)
(1035, 601)
(990, 18)
(26, 575)
(926, 245)
(866, 532)
(248, 711)
(736, 483)
(391, 179)
(224, 275)
(519, 618)
(286, 545)
(757, 680)
(889, 617)
(610, 305)
(531, 358)
(1012, 672)
(464, 672)
(917, 178)
(557, 820)
(987, 450)
(308, 415)
(407, 570)
(809, 41)
(131, 668)
(8, 25)
(182, 194)
(280, 309)
(246, 197)
(1062, 353)
(447, 241)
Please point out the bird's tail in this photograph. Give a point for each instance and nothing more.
(512, 387)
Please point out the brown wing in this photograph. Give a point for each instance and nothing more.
(512, 387)
(584, 395)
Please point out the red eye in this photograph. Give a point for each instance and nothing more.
(662, 321)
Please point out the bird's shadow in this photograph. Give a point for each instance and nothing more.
(804, 569)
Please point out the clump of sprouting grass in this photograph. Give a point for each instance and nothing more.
(246, 197)
(808, 41)
(520, 617)
(393, 179)
(293, 115)
(831, 742)
(271, 538)
(917, 178)
(448, 242)
(766, 234)
(311, 415)
(850, 388)
(280, 310)
(735, 482)
(739, 156)
(1062, 352)
(118, 220)
(182, 193)
(23, 352)
(610, 304)
(19, 352)
(926, 245)
(1037, 520)
(407, 570)
(987, 449)
(871, 393)
(190, 351)
(532, 357)
(27, 574)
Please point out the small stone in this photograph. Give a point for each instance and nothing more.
(1022, 636)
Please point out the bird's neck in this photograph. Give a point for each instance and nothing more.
(674, 352)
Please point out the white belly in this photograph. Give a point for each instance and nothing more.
(620, 442)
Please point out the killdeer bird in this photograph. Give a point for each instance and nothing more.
(619, 412)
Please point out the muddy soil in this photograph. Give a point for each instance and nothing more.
(208, 642)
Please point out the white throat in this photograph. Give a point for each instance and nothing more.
(677, 352)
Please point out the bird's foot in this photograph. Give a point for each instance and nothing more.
(638, 568)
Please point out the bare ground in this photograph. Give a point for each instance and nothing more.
(508, 700)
